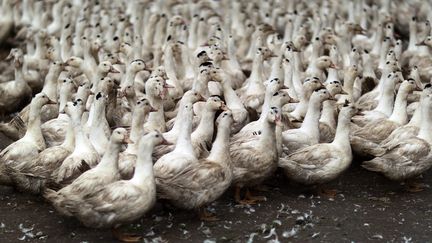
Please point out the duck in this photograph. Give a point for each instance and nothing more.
(156, 92)
(127, 158)
(323, 162)
(407, 131)
(121, 201)
(83, 157)
(409, 157)
(54, 130)
(31, 144)
(327, 121)
(372, 133)
(232, 100)
(255, 159)
(14, 94)
(97, 126)
(105, 172)
(32, 176)
(201, 137)
(309, 86)
(183, 154)
(200, 184)
(385, 105)
(308, 134)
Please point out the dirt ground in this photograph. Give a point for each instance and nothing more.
(367, 208)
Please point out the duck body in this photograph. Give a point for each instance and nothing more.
(321, 163)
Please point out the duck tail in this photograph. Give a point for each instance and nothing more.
(376, 165)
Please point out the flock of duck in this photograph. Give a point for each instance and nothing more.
(113, 104)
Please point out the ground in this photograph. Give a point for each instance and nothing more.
(368, 207)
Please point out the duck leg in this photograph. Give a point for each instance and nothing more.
(125, 237)
(413, 186)
(205, 215)
(325, 192)
(238, 199)
(251, 197)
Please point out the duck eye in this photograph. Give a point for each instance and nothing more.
(157, 135)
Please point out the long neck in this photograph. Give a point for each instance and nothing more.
(206, 125)
(311, 120)
(416, 118)
(425, 127)
(342, 131)
(328, 113)
(201, 85)
(220, 150)
(50, 85)
(34, 123)
(65, 95)
(138, 117)
(81, 140)
(256, 75)
(69, 141)
(412, 35)
(399, 114)
(268, 135)
(184, 139)
(111, 156)
(231, 98)
(386, 102)
(144, 166)
(267, 99)
(99, 114)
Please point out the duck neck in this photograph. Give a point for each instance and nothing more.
(412, 36)
(65, 95)
(201, 85)
(34, 123)
(205, 127)
(40, 48)
(111, 156)
(328, 113)
(311, 120)
(386, 101)
(231, 98)
(268, 135)
(399, 114)
(267, 100)
(138, 117)
(416, 118)
(50, 85)
(69, 141)
(184, 142)
(257, 70)
(425, 127)
(348, 85)
(143, 174)
(342, 132)
(220, 150)
(81, 140)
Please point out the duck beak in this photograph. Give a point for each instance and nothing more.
(9, 57)
(127, 140)
(168, 86)
(113, 70)
(417, 88)
(225, 57)
(332, 98)
(294, 100)
(165, 142)
(421, 43)
(51, 102)
(152, 109)
(201, 98)
(223, 107)
(332, 65)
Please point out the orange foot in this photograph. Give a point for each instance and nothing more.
(125, 237)
(204, 215)
(415, 187)
(330, 193)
